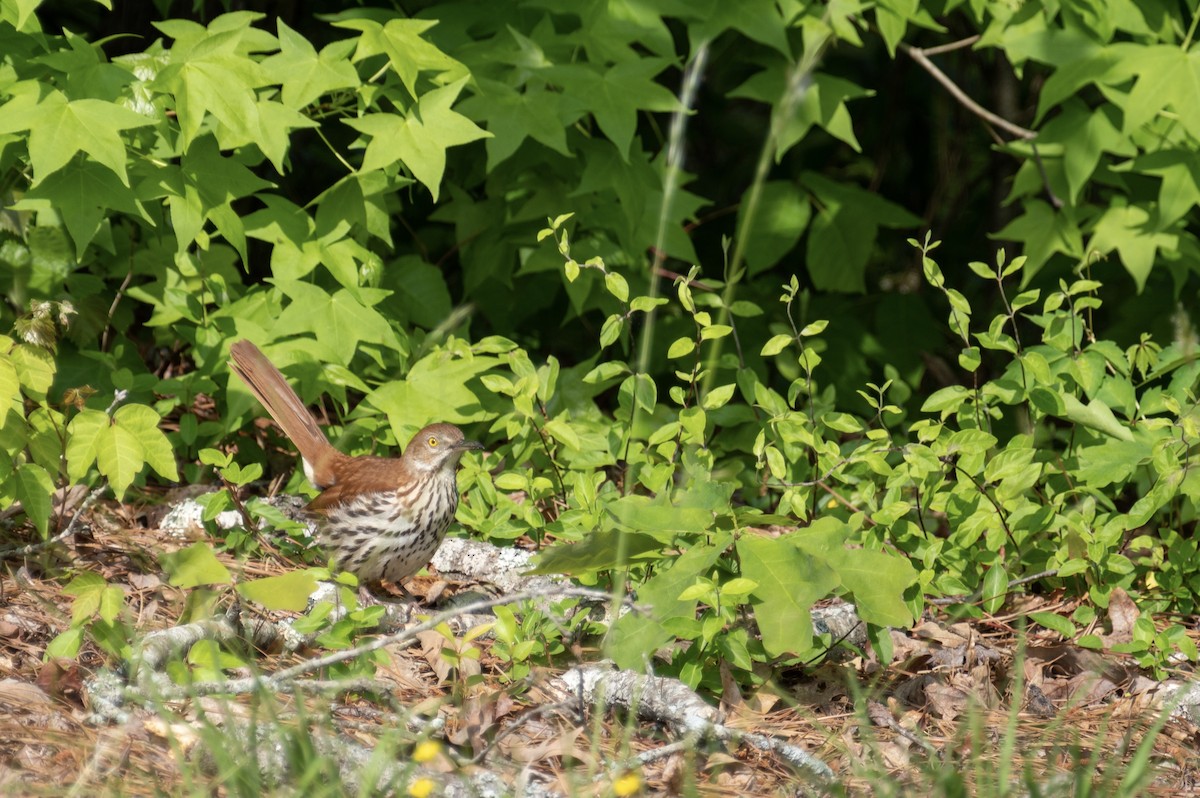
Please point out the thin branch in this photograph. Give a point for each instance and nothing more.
(282, 678)
(921, 57)
(951, 46)
(21, 551)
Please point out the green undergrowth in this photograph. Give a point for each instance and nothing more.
(710, 441)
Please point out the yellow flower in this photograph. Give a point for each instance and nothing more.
(629, 784)
(426, 751)
(421, 788)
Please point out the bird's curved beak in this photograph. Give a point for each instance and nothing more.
(469, 446)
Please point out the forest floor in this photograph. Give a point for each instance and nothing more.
(965, 707)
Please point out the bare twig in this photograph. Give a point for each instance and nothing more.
(281, 679)
(22, 551)
(921, 57)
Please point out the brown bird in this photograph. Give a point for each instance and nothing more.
(380, 517)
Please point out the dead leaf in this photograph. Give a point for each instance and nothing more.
(1122, 614)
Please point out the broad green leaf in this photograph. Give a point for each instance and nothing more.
(196, 565)
(1054, 622)
(305, 74)
(634, 638)
(84, 436)
(88, 589)
(659, 518)
(790, 582)
(421, 138)
(33, 487)
(59, 128)
(119, 457)
(615, 95)
(1127, 229)
(599, 551)
(781, 217)
(142, 422)
(877, 581)
(436, 388)
(995, 588)
(288, 591)
(1043, 231)
(35, 368)
(408, 53)
(1095, 415)
(776, 344)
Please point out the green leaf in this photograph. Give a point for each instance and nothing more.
(995, 588)
(718, 397)
(659, 518)
(1044, 231)
(616, 95)
(196, 565)
(142, 422)
(35, 368)
(120, 457)
(634, 638)
(419, 139)
(88, 589)
(305, 75)
(59, 128)
(782, 216)
(1054, 622)
(617, 286)
(790, 582)
(681, 347)
(599, 551)
(1095, 415)
(33, 487)
(1128, 230)
(85, 434)
(288, 591)
(775, 345)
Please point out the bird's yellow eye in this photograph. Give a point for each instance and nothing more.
(432, 442)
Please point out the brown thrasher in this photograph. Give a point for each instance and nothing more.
(380, 517)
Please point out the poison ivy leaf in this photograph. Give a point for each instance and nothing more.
(119, 457)
(421, 138)
(143, 423)
(33, 487)
(196, 565)
(305, 75)
(789, 583)
(84, 436)
(35, 368)
(88, 589)
(59, 128)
